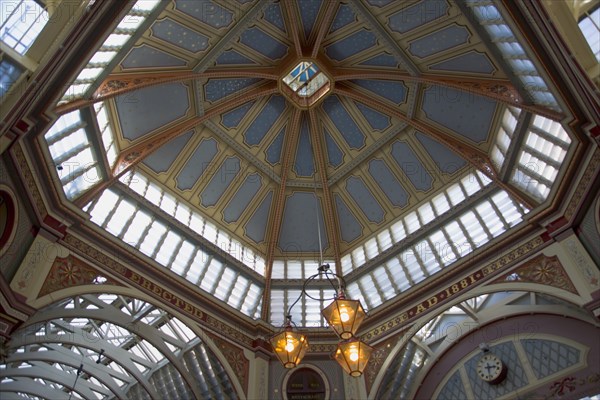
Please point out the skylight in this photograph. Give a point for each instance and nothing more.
(20, 24)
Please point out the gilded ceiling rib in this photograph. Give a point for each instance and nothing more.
(323, 28)
(118, 84)
(319, 155)
(133, 155)
(473, 155)
(497, 89)
(290, 144)
(292, 19)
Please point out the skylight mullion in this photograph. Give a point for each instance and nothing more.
(465, 233)
(499, 213)
(65, 132)
(548, 160)
(159, 244)
(111, 213)
(534, 175)
(435, 252)
(549, 137)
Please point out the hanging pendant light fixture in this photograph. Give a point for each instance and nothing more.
(344, 315)
(289, 345)
(353, 355)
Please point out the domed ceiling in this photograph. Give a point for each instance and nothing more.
(297, 128)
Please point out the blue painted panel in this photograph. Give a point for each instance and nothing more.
(220, 181)
(205, 11)
(446, 160)
(256, 227)
(233, 118)
(468, 62)
(411, 165)
(344, 122)
(146, 56)
(299, 224)
(381, 60)
(242, 198)
(464, 112)
(334, 154)
(379, 3)
(365, 199)
(180, 36)
(417, 15)
(391, 90)
(273, 153)
(350, 228)
(304, 165)
(343, 17)
(309, 9)
(232, 57)
(161, 159)
(351, 45)
(265, 44)
(274, 16)
(216, 89)
(377, 120)
(195, 167)
(149, 108)
(264, 121)
(439, 41)
(388, 183)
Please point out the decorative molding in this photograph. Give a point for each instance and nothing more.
(582, 261)
(584, 185)
(542, 270)
(452, 290)
(236, 359)
(69, 272)
(28, 179)
(378, 357)
(560, 388)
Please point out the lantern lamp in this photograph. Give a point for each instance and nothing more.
(353, 355)
(344, 316)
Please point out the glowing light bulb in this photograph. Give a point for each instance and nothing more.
(289, 344)
(344, 315)
(353, 354)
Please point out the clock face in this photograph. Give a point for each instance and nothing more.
(491, 369)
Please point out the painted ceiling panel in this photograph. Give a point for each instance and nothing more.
(439, 41)
(273, 152)
(256, 227)
(205, 11)
(242, 198)
(381, 60)
(344, 16)
(391, 90)
(417, 15)
(299, 224)
(350, 227)
(220, 181)
(160, 161)
(264, 121)
(232, 57)
(179, 35)
(344, 123)
(274, 16)
(465, 113)
(388, 183)
(149, 57)
(216, 89)
(197, 164)
(304, 165)
(264, 43)
(471, 61)
(376, 120)
(151, 108)
(365, 199)
(335, 156)
(351, 45)
(233, 118)
(308, 14)
(446, 160)
(411, 166)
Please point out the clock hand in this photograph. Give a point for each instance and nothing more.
(488, 367)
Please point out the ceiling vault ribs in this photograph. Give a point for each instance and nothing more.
(473, 155)
(324, 27)
(118, 84)
(290, 144)
(381, 33)
(501, 90)
(233, 33)
(292, 19)
(321, 167)
(133, 155)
